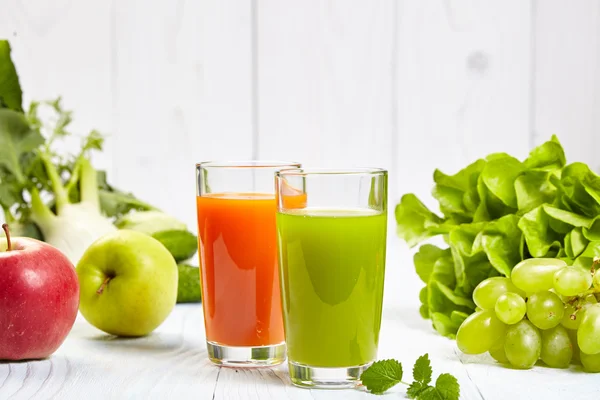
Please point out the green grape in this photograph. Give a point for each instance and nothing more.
(573, 336)
(570, 281)
(523, 344)
(536, 274)
(557, 349)
(568, 321)
(590, 362)
(564, 299)
(497, 352)
(479, 332)
(596, 279)
(510, 308)
(588, 333)
(591, 299)
(545, 310)
(488, 291)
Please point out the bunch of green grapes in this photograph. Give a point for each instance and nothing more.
(545, 311)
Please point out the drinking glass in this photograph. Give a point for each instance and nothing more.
(332, 247)
(238, 262)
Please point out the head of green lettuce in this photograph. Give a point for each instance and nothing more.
(496, 212)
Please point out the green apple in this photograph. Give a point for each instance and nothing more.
(128, 283)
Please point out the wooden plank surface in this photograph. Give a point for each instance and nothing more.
(567, 77)
(182, 94)
(325, 82)
(172, 363)
(63, 49)
(462, 86)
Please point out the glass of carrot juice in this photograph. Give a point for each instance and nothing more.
(238, 262)
(332, 264)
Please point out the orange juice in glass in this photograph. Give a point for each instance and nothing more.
(238, 261)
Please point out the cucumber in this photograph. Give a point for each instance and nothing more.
(180, 243)
(188, 290)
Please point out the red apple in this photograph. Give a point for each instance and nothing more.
(39, 298)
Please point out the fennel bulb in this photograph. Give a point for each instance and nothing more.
(75, 226)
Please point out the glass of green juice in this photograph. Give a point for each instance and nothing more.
(331, 249)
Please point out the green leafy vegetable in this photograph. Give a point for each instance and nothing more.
(11, 95)
(457, 194)
(496, 212)
(420, 222)
(385, 374)
(499, 175)
(539, 236)
(426, 259)
(500, 240)
(16, 140)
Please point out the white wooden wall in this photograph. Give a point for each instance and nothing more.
(410, 85)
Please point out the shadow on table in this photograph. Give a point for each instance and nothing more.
(155, 344)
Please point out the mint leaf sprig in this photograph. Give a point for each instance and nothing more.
(384, 374)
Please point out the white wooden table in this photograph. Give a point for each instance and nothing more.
(172, 362)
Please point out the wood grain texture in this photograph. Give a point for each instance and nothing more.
(172, 363)
(63, 49)
(567, 77)
(463, 73)
(182, 95)
(325, 82)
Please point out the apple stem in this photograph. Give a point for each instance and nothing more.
(7, 232)
(104, 284)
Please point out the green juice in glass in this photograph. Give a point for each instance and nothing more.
(332, 264)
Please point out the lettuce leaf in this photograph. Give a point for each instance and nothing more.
(415, 221)
(549, 156)
(499, 176)
(501, 241)
(457, 194)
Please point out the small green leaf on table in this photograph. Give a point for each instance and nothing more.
(382, 375)
(385, 374)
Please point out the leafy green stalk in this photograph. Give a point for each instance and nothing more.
(40, 212)
(60, 193)
(89, 184)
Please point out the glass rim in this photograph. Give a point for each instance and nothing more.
(330, 171)
(249, 164)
